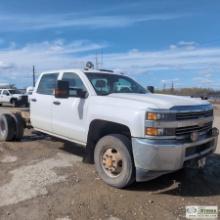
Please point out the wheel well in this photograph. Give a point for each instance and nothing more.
(13, 99)
(99, 129)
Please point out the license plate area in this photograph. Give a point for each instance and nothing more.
(198, 149)
(196, 163)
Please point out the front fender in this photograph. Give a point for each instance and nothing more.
(134, 120)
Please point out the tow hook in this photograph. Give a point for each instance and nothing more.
(195, 164)
(215, 132)
(201, 162)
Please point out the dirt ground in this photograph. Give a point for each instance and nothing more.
(43, 178)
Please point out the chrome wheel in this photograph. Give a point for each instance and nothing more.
(112, 162)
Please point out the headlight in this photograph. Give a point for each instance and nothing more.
(152, 131)
(151, 128)
(151, 116)
(154, 116)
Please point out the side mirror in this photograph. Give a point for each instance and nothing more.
(62, 89)
(150, 89)
(82, 94)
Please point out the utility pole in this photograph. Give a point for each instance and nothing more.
(33, 76)
(172, 87)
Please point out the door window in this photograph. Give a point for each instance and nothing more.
(5, 92)
(74, 83)
(47, 84)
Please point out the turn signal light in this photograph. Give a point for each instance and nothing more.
(151, 131)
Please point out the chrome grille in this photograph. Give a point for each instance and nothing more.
(183, 131)
(193, 115)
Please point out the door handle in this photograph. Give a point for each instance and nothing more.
(33, 100)
(56, 103)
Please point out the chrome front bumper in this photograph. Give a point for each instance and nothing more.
(153, 158)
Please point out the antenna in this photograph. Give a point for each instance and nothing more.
(96, 61)
(101, 57)
(99, 64)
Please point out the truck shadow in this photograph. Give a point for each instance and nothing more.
(36, 136)
(187, 182)
(73, 149)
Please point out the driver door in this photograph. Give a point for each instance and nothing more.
(69, 114)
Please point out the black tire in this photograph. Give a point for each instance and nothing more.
(122, 145)
(7, 127)
(14, 102)
(19, 126)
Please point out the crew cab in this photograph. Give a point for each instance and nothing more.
(12, 96)
(129, 133)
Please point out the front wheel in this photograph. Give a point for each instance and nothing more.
(14, 102)
(113, 160)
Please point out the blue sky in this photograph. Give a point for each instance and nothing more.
(154, 41)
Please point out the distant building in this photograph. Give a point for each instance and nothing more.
(7, 86)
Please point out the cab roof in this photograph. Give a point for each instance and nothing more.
(99, 71)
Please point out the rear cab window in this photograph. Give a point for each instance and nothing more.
(47, 83)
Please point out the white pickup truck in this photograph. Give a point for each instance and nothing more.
(130, 133)
(12, 96)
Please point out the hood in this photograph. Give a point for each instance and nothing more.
(17, 95)
(161, 101)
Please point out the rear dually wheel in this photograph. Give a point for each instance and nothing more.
(7, 127)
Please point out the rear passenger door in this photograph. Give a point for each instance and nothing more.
(41, 102)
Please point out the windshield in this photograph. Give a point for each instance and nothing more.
(105, 84)
(14, 91)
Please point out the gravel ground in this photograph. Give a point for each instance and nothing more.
(44, 178)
